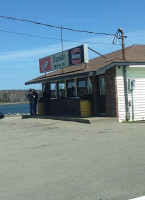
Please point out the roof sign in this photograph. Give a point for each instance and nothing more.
(44, 65)
(64, 59)
(59, 61)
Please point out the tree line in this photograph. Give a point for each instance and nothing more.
(15, 96)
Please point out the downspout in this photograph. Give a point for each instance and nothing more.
(125, 76)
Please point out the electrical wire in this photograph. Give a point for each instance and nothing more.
(43, 37)
(52, 26)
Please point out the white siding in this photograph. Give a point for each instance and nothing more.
(120, 92)
(138, 74)
(139, 99)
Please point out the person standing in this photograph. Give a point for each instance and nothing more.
(31, 101)
(35, 97)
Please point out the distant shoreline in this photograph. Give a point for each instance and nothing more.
(4, 103)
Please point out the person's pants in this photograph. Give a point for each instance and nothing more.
(35, 108)
(32, 108)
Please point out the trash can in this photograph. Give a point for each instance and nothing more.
(85, 108)
(41, 110)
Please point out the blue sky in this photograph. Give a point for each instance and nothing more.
(19, 55)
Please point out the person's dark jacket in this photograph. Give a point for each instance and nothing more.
(30, 97)
(35, 96)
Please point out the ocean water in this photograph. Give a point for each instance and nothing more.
(15, 108)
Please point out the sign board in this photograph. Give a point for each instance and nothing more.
(44, 65)
(64, 59)
(76, 55)
(59, 61)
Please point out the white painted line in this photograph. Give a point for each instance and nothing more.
(139, 198)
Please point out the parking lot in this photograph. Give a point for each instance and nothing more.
(64, 160)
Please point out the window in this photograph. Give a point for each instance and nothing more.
(61, 89)
(102, 85)
(71, 88)
(82, 87)
(53, 90)
(45, 86)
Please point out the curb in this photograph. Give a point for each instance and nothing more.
(73, 119)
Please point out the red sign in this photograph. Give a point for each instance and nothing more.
(44, 64)
(76, 56)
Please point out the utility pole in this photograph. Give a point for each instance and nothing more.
(124, 75)
(61, 39)
(62, 45)
(123, 42)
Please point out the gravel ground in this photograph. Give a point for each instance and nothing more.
(45, 159)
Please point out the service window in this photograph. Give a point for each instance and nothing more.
(82, 87)
(71, 88)
(53, 90)
(61, 89)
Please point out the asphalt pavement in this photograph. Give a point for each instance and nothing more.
(46, 159)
